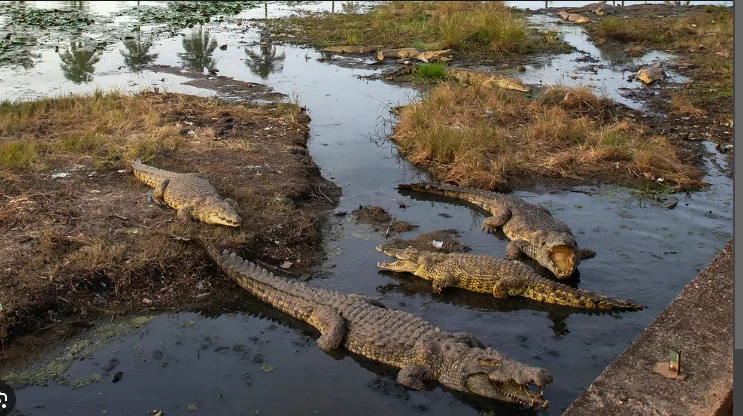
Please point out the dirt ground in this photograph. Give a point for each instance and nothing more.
(83, 241)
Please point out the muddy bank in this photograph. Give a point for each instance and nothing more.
(84, 240)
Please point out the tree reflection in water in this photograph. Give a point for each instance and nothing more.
(266, 60)
(78, 62)
(199, 47)
(136, 53)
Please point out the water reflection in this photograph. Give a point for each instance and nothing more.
(137, 53)
(199, 47)
(82, 6)
(78, 62)
(266, 60)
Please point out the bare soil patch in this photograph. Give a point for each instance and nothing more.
(82, 241)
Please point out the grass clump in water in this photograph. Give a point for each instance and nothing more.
(433, 71)
(490, 138)
(480, 30)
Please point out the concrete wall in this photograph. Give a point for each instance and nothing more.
(699, 325)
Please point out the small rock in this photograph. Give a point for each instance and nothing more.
(117, 377)
(267, 368)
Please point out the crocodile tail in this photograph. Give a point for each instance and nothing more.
(480, 198)
(548, 291)
(151, 176)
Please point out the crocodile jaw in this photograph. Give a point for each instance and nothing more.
(408, 266)
(508, 391)
(409, 253)
(224, 216)
(562, 260)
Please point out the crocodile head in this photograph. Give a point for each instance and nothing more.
(407, 259)
(487, 373)
(219, 213)
(560, 254)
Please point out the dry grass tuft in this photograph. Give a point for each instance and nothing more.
(563, 133)
(682, 104)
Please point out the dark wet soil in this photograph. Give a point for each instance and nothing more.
(380, 220)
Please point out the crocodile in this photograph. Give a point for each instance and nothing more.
(364, 326)
(501, 277)
(406, 53)
(651, 74)
(573, 17)
(350, 49)
(533, 231)
(485, 79)
(188, 193)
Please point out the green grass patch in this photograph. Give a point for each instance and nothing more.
(432, 71)
(17, 153)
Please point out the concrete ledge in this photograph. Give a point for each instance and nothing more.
(699, 325)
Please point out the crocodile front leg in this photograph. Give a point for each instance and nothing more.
(159, 192)
(501, 215)
(440, 281)
(185, 213)
(515, 248)
(331, 325)
(413, 377)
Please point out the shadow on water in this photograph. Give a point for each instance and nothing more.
(409, 285)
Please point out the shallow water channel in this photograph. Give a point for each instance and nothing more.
(260, 362)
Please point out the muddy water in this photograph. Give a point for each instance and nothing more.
(261, 362)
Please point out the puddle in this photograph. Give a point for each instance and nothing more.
(646, 252)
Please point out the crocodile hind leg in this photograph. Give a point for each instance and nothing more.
(587, 253)
(413, 377)
(500, 217)
(515, 248)
(159, 192)
(331, 325)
